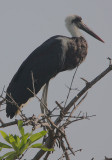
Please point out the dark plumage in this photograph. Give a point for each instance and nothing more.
(44, 66)
(57, 54)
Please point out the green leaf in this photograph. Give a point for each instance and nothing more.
(7, 154)
(5, 136)
(23, 148)
(3, 145)
(24, 143)
(11, 139)
(23, 140)
(17, 140)
(28, 134)
(37, 136)
(39, 145)
(0, 148)
(20, 127)
(13, 142)
(12, 156)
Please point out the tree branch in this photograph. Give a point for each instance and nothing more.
(68, 107)
(84, 90)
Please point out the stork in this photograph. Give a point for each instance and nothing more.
(57, 54)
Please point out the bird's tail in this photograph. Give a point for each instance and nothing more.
(11, 109)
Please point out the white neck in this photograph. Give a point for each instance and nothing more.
(74, 30)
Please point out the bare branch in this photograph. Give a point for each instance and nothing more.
(84, 90)
(69, 147)
(75, 107)
(66, 155)
(72, 102)
(47, 155)
(110, 60)
(38, 99)
(70, 86)
(108, 158)
(1, 121)
(76, 89)
(85, 80)
(8, 124)
(61, 158)
(56, 132)
(59, 105)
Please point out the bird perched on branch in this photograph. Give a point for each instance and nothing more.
(57, 54)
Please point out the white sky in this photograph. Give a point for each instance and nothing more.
(24, 25)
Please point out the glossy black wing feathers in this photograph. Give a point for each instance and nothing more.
(44, 63)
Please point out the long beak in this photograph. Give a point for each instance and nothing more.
(89, 31)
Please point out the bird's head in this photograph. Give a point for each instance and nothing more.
(74, 23)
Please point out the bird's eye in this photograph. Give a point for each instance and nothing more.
(77, 19)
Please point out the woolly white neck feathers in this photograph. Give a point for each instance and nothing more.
(72, 28)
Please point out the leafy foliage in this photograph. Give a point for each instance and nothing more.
(22, 143)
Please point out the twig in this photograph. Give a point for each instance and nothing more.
(110, 60)
(2, 110)
(69, 147)
(75, 107)
(9, 124)
(87, 87)
(76, 89)
(79, 150)
(65, 150)
(80, 118)
(72, 102)
(54, 126)
(59, 105)
(70, 86)
(1, 121)
(85, 80)
(108, 158)
(14, 102)
(39, 99)
(49, 143)
(47, 155)
(1, 102)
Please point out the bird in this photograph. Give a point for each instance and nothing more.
(57, 54)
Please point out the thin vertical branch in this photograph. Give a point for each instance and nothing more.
(65, 150)
(70, 86)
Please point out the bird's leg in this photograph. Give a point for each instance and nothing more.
(44, 99)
